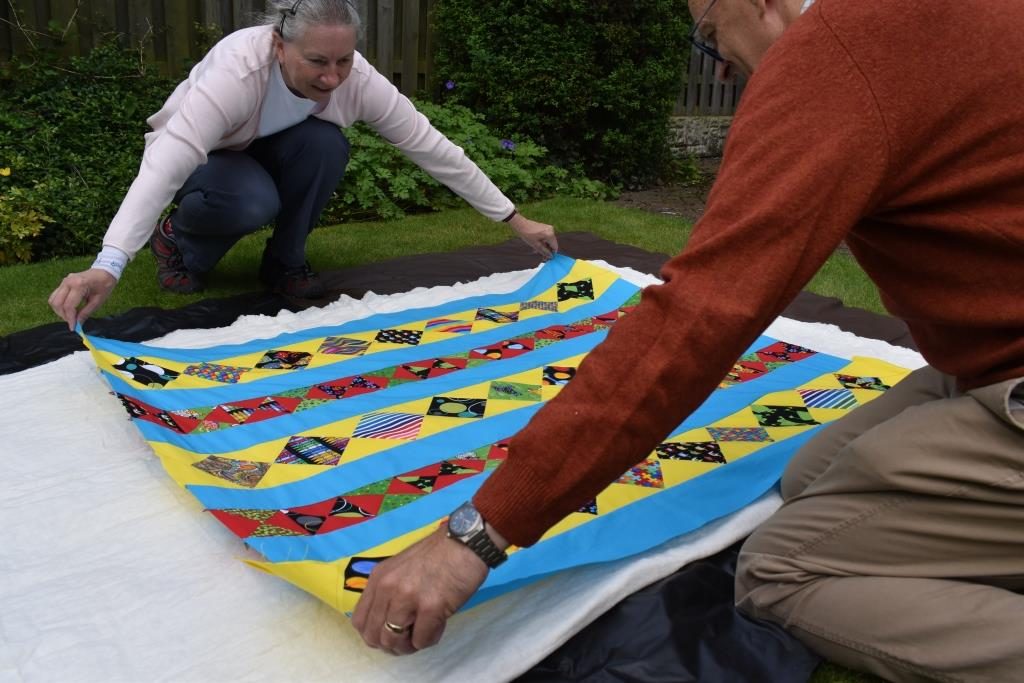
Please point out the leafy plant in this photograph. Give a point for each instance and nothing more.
(76, 129)
(593, 81)
(382, 183)
(20, 221)
(74, 133)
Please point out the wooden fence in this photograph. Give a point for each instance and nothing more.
(173, 34)
(702, 93)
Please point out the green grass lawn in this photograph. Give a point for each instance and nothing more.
(336, 247)
(340, 246)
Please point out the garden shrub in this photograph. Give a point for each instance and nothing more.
(71, 140)
(20, 222)
(381, 183)
(71, 134)
(593, 81)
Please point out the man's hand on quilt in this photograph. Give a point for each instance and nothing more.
(79, 294)
(410, 596)
(540, 236)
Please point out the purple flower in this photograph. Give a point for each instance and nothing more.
(449, 85)
(508, 144)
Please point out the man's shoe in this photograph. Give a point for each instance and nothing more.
(299, 282)
(171, 272)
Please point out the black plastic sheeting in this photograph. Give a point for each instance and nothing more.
(682, 628)
(46, 343)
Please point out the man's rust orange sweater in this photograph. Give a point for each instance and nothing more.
(897, 125)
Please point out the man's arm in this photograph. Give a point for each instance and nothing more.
(805, 161)
(801, 167)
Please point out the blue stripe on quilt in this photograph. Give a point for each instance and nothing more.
(354, 540)
(550, 273)
(235, 438)
(636, 527)
(176, 399)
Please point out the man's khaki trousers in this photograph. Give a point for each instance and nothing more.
(899, 548)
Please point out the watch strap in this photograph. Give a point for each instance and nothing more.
(481, 544)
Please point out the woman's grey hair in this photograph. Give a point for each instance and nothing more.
(291, 18)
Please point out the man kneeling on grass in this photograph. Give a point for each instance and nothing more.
(894, 125)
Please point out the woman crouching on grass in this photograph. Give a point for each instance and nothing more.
(252, 138)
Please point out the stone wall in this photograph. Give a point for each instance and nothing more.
(698, 136)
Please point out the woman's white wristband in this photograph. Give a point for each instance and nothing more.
(112, 260)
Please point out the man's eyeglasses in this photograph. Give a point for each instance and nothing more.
(695, 37)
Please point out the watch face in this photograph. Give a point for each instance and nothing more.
(462, 521)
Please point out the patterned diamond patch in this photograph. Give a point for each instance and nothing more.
(242, 472)
(448, 406)
(739, 434)
(499, 317)
(699, 451)
(389, 426)
(507, 349)
(357, 572)
(851, 382)
(284, 360)
(410, 337)
(450, 326)
(647, 473)
(514, 391)
(216, 373)
(539, 306)
(782, 416)
(828, 398)
(313, 450)
(582, 289)
(343, 346)
(145, 373)
(557, 375)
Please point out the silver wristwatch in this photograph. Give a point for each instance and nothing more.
(466, 525)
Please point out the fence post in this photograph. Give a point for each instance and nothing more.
(410, 46)
(23, 27)
(6, 49)
(385, 30)
(702, 93)
(180, 36)
(361, 9)
(428, 44)
(142, 30)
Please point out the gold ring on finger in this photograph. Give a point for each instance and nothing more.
(395, 628)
